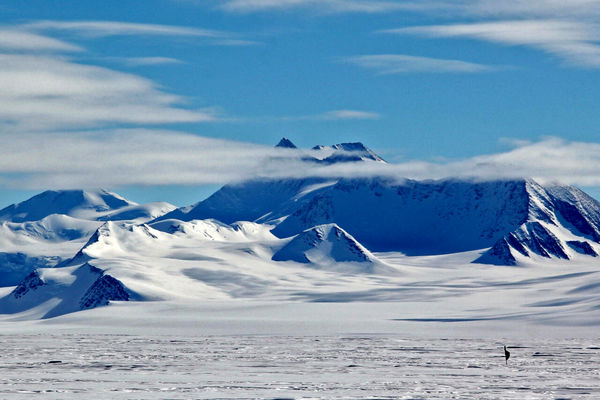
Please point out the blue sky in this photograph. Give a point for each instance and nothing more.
(167, 99)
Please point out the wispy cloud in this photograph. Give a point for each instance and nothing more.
(43, 92)
(575, 42)
(401, 63)
(19, 40)
(527, 8)
(333, 115)
(143, 61)
(438, 8)
(153, 157)
(97, 29)
(348, 115)
(117, 28)
(327, 6)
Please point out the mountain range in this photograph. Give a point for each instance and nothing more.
(275, 239)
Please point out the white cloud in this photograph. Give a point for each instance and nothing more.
(528, 8)
(44, 92)
(96, 29)
(121, 157)
(327, 6)
(18, 40)
(116, 28)
(400, 63)
(153, 157)
(142, 61)
(439, 8)
(348, 115)
(575, 42)
(333, 115)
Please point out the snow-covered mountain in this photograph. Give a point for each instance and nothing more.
(452, 216)
(171, 260)
(139, 212)
(420, 217)
(48, 228)
(345, 152)
(266, 200)
(324, 245)
(88, 205)
(56, 291)
(334, 239)
(257, 200)
(562, 221)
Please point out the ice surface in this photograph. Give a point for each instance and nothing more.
(73, 366)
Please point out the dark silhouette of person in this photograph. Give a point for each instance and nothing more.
(506, 354)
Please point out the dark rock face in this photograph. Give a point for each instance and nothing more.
(499, 254)
(31, 282)
(582, 247)
(563, 207)
(286, 143)
(105, 289)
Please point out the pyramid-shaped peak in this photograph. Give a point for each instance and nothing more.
(286, 143)
(324, 244)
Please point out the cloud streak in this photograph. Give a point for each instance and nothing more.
(100, 29)
(527, 8)
(41, 89)
(446, 8)
(18, 40)
(144, 61)
(386, 64)
(337, 115)
(575, 42)
(44, 93)
(157, 157)
(326, 6)
(117, 28)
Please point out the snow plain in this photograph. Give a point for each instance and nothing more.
(433, 331)
(75, 366)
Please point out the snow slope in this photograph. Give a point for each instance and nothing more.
(325, 245)
(257, 200)
(345, 152)
(48, 292)
(203, 260)
(50, 227)
(139, 213)
(82, 204)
